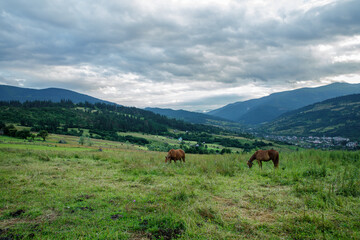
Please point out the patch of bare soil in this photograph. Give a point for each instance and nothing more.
(16, 218)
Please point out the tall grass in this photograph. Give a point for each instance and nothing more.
(65, 194)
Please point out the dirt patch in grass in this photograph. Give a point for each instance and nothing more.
(17, 213)
(259, 215)
(231, 209)
(84, 197)
(165, 227)
(139, 236)
(49, 216)
(225, 201)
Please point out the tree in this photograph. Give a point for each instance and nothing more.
(24, 134)
(82, 140)
(43, 134)
(2, 125)
(10, 130)
(32, 136)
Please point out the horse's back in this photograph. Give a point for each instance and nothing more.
(176, 154)
(180, 153)
(262, 155)
(273, 154)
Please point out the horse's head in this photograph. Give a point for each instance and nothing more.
(167, 158)
(249, 163)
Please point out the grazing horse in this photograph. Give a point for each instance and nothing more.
(264, 155)
(175, 155)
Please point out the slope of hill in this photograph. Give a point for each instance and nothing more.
(117, 123)
(11, 93)
(199, 118)
(187, 116)
(266, 109)
(333, 117)
(102, 118)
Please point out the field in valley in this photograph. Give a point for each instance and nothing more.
(67, 191)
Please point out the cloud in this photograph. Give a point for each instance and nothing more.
(180, 54)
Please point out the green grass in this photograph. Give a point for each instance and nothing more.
(119, 193)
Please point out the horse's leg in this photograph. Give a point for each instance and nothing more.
(183, 159)
(276, 162)
(260, 164)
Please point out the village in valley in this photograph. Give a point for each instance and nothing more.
(317, 142)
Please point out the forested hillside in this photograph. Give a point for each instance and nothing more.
(106, 121)
(334, 117)
(193, 117)
(101, 119)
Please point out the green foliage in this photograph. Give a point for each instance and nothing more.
(10, 130)
(2, 125)
(24, 134)
(43, 134)
(82, 140)
(103, 120)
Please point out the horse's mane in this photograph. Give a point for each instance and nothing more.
(253, 157)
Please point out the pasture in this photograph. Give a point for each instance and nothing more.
(72, 192)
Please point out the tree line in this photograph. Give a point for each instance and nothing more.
(104, 121)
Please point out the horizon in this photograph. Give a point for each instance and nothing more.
(180, 109)
(179, 54)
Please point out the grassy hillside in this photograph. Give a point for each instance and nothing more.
(64, 193)
(334, 117)
(266, 109)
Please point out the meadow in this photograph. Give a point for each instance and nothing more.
(121, 192)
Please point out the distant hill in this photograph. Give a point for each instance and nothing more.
(197, 118)
(187, 116)
(266, 109)
(333, 117)
(11, 93)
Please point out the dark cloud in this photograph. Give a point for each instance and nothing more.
(88, 45)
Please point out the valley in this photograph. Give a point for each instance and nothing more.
(84, 171)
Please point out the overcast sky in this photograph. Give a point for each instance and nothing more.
(193, 55)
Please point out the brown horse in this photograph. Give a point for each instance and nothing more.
(175, 155)
(264, 155)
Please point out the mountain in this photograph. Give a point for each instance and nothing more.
(11, 93)
(266, 109)
(333, 117)
(197, 118)
(193, 117)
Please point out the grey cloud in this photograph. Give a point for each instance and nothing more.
(206, 103)
(170, 44)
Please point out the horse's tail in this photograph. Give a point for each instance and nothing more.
(276, 160)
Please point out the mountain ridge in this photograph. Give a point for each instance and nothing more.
(13, 93)
(338, 116)
(273, 105)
